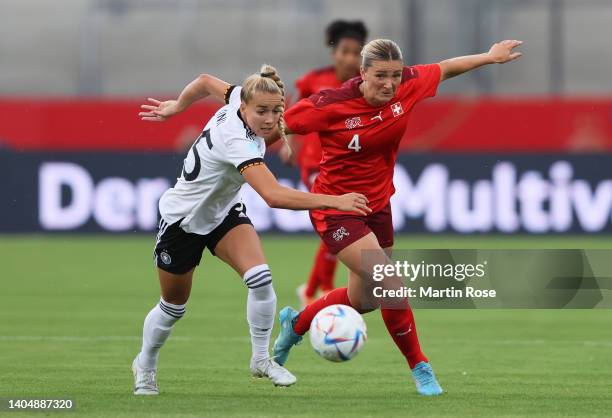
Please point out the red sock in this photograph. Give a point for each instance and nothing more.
(322, 273)
(400, 324)
(328, 263)
(336, 296)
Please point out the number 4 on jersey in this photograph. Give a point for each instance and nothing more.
(354, 144)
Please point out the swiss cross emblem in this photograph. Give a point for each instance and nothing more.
(397, 110)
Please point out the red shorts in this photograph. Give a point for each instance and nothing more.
(340, 231)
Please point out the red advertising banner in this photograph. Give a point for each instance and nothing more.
(511, 125)
(441, 125)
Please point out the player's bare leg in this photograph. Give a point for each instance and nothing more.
(360, 257)
(175, 291)
(241, 249)
(294, 325)
(396, 312)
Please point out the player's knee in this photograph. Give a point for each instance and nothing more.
(259, 281)
(173, 310)
(363, 303)
(399, 303)
(178, 300)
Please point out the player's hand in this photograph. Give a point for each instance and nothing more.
(159, 111)
(502, 52)
(353, 202)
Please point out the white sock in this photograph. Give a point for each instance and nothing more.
(261, 308)
(157, 327)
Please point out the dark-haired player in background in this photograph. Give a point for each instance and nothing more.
(346, 39)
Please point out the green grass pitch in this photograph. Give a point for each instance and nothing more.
(72, 311)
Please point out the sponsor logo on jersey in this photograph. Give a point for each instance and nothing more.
(397, 110)
(399, 334)
(250, 133)
(340, 234)
(221, 117)
(165, 257)
(379, 116)
(352, 123)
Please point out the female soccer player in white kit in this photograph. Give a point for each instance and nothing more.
(204, 209)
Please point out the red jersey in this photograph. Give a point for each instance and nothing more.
(313, 82)
(360, 141)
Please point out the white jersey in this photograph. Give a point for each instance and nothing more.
(211, 179)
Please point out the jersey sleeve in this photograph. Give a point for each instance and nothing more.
(425, 80)
(232, 95)
(303, 86)
(304, 117)
(243, 153)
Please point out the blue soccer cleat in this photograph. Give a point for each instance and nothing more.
(425, 379)
(287, 337)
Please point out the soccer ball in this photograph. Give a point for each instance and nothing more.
(338, 333)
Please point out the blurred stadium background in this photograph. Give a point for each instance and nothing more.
(535, 131)
(508, 151)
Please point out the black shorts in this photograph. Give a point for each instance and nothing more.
(177, 251)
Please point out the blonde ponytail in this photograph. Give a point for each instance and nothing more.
(380, 50)
(267, 81)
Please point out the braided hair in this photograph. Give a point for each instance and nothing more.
(267, 81)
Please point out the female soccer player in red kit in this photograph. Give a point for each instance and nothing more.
(360, 126)
(346, 39)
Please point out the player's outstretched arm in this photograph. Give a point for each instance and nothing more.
(261, 179)
(500, 53)
(203, 86)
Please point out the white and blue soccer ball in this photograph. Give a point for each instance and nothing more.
(338, 333)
